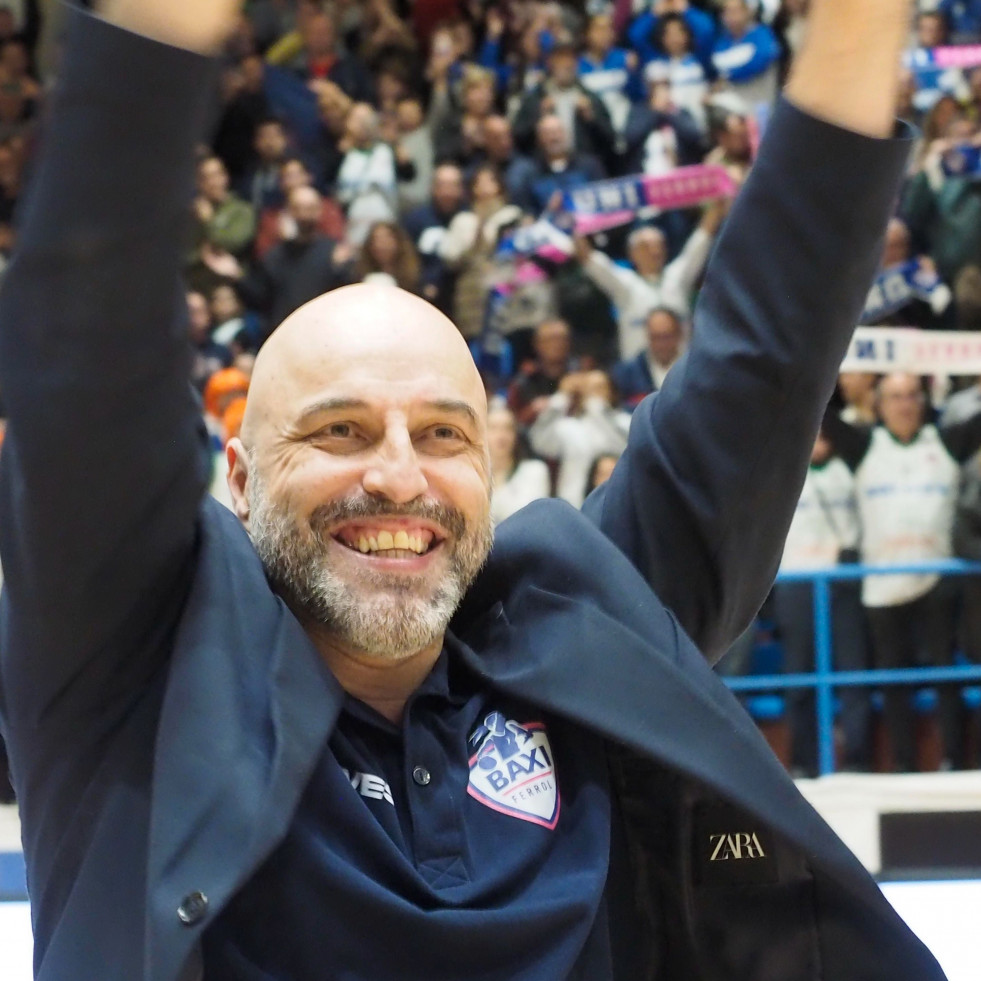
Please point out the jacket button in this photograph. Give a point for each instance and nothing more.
(421, 776)
(193, 908)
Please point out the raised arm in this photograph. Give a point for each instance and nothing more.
(103, 468)
(703, 497)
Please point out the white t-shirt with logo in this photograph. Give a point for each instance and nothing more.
(907, 493)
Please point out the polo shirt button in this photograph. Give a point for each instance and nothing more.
(193, 908)
(421, 776)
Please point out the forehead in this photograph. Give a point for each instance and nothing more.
(900, 384)
(384, 352)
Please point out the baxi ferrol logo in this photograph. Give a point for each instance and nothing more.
(731, 847)
(512, 771)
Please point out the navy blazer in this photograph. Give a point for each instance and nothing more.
(164, 709)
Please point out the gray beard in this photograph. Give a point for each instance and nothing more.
(385, 615)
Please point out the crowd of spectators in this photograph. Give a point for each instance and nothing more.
(414, 142)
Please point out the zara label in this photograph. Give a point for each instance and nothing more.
(512, 770)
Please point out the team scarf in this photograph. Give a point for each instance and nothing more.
(898, 286)
(605, 204)
(959, 56)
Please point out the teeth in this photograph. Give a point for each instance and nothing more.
(385, 541)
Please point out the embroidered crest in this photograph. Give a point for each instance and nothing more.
(512, 771)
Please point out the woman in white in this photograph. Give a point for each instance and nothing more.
(517, 480)
(578, 424)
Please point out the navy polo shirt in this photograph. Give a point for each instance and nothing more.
(473, 840)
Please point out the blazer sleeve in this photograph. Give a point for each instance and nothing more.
(104, 464)
(702, 499)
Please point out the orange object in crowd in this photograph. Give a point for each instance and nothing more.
(222, 387)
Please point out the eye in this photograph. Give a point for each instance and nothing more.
(443, 438)
(339, 430)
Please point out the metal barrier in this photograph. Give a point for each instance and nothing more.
(824, 679)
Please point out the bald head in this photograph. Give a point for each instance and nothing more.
(357, 333)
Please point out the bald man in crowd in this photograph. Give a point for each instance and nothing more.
(338, 734)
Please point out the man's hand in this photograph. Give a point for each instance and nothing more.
(847, 72)
(198, 25)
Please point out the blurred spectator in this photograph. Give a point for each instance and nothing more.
(637, 377)
(577, 424)
(643, 31)
(967, 299)
(659, 135)
(469, 245)
(322, 57)
(224, 224)
(556, 169)
(652, 282)
(276, 224)
(382, 31)
(261, 187)
(907, 476)
(933, 81)
(537, 381)
(746, 55)
(234, 327)
(908, 291)
(388, 256)
(414, 147)
(825, 530)
(608, 71)
(207, 356)
(10, 179)
(935, 125)
(244, 106)
(675, 64)
(963, 20)
(601, 471)
(497, 149)
(366, 181)
(458, 133)
(586, 124)
(517, 478)
(326, 139)
(942, 207)
(427, 227)
(857, 390)
(733, 148)
(297, 269)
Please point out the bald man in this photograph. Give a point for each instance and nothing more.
(335, 734)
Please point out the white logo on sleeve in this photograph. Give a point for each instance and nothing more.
(512, 770)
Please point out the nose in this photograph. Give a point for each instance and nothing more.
(395, 473)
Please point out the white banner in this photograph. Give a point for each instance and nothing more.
(923, 352)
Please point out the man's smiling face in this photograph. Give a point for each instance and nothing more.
(362, 474)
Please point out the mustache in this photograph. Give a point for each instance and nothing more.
(363, 507)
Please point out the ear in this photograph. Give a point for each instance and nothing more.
(238, 478)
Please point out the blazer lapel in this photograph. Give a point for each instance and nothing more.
(248, 710)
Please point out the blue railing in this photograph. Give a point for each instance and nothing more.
(824, 679)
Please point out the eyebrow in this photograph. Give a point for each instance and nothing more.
(447, 406)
